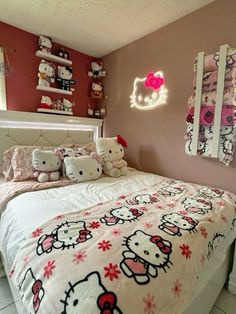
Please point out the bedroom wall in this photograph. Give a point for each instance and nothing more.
(21, 84)
(172, 49)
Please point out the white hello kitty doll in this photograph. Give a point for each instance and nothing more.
(112, 151)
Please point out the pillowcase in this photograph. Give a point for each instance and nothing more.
(85, 168)
(89, 148)
(6, 167)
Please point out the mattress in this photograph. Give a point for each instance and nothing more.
(26, 212)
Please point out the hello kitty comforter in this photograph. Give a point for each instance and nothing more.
(140, 253)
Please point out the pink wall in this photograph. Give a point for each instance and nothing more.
(171, 49)
(21, 84)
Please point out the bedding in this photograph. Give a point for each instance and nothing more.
(159, 234)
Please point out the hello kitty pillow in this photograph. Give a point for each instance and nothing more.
(84, 168)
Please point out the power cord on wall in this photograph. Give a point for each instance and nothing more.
(167, 144)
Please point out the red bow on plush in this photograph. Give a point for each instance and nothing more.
(203, 202)
(121, 140)
(82, 235)
(160, 244)
(107, 302)
(135, 212)
(190, 220)
(36, 289)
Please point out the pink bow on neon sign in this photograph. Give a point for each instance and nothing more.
(153, 81)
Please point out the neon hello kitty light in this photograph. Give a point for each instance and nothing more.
(149, 92)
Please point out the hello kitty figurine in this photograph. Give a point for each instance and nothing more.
(46, 74)
(97, 70)
(46, 164)
(65, 236)
(144, 255)
(46, 103)
(120, 215)
(100, 300)
(45, 44)
(173, 224)
(197, 205)
(112, 152)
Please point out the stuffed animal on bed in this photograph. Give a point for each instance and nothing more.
(83, 168)
(112, 151)
(46, 164)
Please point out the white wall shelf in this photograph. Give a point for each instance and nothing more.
(68, 113)
(53, 90)
(51, 57)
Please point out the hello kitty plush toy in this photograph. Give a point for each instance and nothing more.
(97, 90)
(46, 74)
(46, 164)
(64, 77)
(97, 71)
(45, 44)
(112, 151)
(67, 105)
(46, 103)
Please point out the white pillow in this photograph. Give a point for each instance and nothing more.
(85, 168)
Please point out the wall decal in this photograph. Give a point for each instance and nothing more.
(149, 92)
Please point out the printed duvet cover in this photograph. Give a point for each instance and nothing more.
(140, 253)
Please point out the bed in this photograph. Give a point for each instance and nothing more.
(104, 267)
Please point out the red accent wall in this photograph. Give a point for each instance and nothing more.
(21, 83)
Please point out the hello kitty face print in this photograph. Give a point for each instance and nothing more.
(30, 285)
(212, 245)
(142, 199)
(197, 205)
(90, 296)
(210, 193)
(66, 235)
(144, 255)
(119, 215)
(174, 223)
(171, 190)
(148, 92)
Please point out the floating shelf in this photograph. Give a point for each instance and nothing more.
(53, 90)
(50, 57)
(68, 113)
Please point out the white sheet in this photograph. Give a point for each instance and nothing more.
(29, 210)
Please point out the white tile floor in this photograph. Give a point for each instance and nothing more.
(225, 304)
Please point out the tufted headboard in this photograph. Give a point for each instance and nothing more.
(22, 128)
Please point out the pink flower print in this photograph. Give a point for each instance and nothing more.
(59, 217)
(204, 232)
(117, 203)
(79, 257)
(210, 220)
(144, 209)
(171, 205)
(223, 218)
(26, 260)
(221, 203)
(153, 81)
(104, 245)
(37, 232)
(177, 288)
(122, 196)
(48, 269)
(112, 271)
(185, 251)
(116, 232)
(159, 206)
(149, 304)
(94, 225)
(148, 225)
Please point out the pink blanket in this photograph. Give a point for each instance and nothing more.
(211, 61)
(209, 82)
(141, 253)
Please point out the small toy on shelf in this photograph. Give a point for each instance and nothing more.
(97, 71)
(90, 110)
(97, 90)
(103, 111)
(64, 77)
(45, 44)
(46, 73)
(46, 103)
(67, 105)
(62, 53)
(58, 104)
(97, 113)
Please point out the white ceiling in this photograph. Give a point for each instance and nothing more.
(95, 27)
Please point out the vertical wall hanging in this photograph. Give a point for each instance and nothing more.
(211, 113)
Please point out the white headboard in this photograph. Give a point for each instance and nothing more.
(24, 128)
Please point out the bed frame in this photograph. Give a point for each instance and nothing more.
(55, 130)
